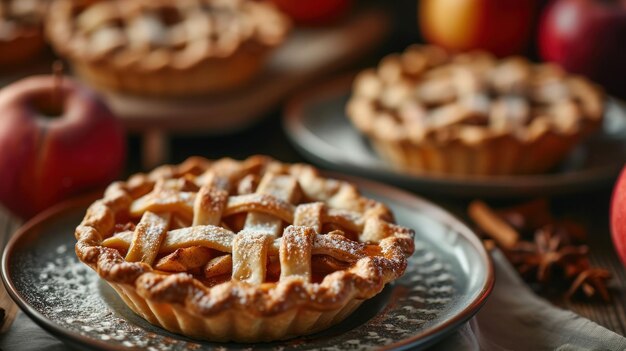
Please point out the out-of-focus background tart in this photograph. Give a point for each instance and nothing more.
(21, 33)
(425, 110)
(166, 48)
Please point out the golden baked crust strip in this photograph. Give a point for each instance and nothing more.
(333, 244)
(147, 237)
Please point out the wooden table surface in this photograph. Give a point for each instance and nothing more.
(591, 209)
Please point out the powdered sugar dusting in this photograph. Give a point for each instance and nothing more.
(71, 295)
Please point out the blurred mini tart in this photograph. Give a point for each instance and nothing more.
(21, 30)
(166, 48)
(247, 251)
(425, 110)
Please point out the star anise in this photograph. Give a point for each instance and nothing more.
(591, 282)
(544, 254)
(539, 246)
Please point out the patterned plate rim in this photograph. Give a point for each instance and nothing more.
(414, 201)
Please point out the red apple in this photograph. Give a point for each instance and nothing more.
(314, 12)
(618, 216)
(587, 37)
(499, 26)
(56, 139)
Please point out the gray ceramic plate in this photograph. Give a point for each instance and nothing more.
(447, 280)
(316, 124)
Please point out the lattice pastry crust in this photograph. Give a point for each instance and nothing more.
(427, 110)
(246, 251)
(179, 47)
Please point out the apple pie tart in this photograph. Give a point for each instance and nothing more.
(470, 114)
(164, 47)
(248, 251)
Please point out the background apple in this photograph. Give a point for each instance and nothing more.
(618, 216)
(56, 139)
(314, 12)
(500, 26)
(587, 37)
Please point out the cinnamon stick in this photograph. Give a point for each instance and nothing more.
(494, 226)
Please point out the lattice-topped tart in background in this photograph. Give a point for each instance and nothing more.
(21, 33)
(470, 114)
(252, 250)
(164, 47)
